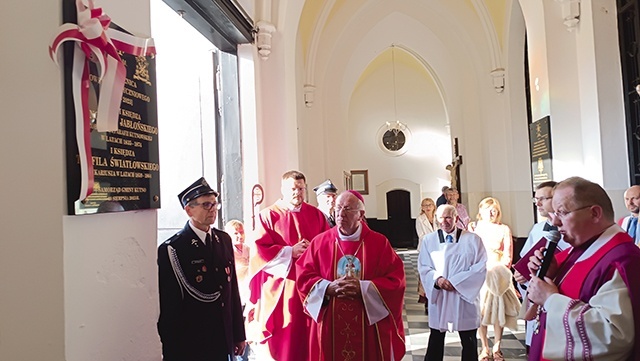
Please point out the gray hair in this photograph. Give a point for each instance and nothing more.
(444, 207)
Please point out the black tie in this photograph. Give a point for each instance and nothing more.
(207, 240)
(547, 227)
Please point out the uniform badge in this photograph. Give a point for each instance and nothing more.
(199, 278)
(204, 268)
(195, 242)
(228, 270)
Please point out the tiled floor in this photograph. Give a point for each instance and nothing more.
(417, 326)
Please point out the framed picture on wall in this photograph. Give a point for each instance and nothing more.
(360, 181)
(347, 180)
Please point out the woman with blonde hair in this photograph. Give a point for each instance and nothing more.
(498, 299)
(425, 224)
(426, 221)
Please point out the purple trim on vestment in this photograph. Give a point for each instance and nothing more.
(626, 259)
(582, 332)
(568, 352)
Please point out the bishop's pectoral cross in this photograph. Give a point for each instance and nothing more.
(454, 167)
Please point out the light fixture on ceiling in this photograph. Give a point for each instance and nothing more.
(397, 125)
(394, 135)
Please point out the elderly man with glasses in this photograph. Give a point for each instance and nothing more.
(352, 285)
(589, 301)
(453, 266)
(200, 309)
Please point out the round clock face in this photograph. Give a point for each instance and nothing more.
(394, 140)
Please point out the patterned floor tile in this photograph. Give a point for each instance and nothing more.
(417, 329)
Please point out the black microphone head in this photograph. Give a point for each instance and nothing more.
(553, 236)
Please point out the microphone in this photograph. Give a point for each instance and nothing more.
(553, 237)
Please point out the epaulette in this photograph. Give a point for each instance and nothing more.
(173, 238)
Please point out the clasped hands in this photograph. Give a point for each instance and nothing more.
(345, 287)
(444, 284)
(299, 248)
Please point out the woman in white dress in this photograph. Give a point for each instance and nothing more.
(499, 302)
(425, 224)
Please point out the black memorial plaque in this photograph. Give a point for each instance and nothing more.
(126, 166)
(540, 148)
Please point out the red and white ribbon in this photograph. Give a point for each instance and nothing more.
(95, 41)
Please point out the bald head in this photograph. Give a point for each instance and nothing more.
(582, 210)
(586, 193)
(632, 198)
(349, 211)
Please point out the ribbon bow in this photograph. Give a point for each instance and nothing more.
(95, 41)
(91, 35)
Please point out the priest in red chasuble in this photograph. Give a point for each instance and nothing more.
(276, 321)
(352, 284)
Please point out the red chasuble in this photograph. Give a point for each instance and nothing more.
(277, 317)
(343, 331)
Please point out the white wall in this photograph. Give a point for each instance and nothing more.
(580, 69)
(111, 287)
(32, 186)
(420, 107)
(53, 310)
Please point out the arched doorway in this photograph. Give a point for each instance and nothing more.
(401, 228)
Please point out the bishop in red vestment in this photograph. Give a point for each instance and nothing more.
(275, 320)
(352, 284)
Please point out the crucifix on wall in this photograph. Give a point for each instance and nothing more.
(454, 167)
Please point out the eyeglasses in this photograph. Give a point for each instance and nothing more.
(208, 205)
(535, 200)
(338, 209)
(562, 214)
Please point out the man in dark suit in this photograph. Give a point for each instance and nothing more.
(443, 197)
(200, 309)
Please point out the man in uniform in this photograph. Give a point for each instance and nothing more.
(590, 297)
(351, 279)
(200, 309)
(326, 196)
(453, 265)
(275, 319)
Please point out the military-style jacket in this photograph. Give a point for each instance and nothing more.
(200, 309)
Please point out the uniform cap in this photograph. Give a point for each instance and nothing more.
(198, 189)
(325, 187)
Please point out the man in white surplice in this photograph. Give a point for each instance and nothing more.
(452, 266)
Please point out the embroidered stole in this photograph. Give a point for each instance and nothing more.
(347, 316)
